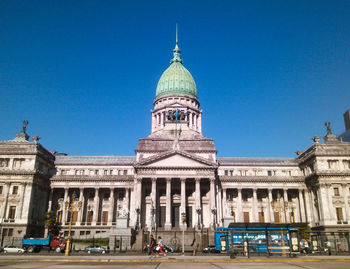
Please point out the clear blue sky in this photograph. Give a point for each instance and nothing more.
(84, 73)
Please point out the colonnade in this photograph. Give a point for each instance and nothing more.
(193, 118)
(99, 210)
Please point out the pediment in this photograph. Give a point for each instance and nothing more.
(176, 159)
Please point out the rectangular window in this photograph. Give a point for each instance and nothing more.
(10, 232)
(4, 232)
(125, 172)
(339, 211)
(346, 164)
(332, 164)
(4, 162)
(336, 191)
(96, 172)
(277, 217)
(105, 172)
(269, 173)
(246, 217)
(111, 172)
(261, 217)
(231, 173)
(89, 216)
(1, 189)
(15, 190)
(88, 232)
(82, 232)
(104, 216)
(12, 212)
(226, 172)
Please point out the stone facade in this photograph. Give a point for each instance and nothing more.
(174, 182)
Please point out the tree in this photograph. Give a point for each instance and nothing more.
(51, 223)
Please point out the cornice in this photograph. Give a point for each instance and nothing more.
(261, 179)
(83, 178)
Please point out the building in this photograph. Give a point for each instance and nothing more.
(174, 182)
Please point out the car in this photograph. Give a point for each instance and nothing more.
(13, 249)
(95, 249)
(211, 249)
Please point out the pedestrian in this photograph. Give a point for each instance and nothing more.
(160, 246)
(152, 244)
(194, 246)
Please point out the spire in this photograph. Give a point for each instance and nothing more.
(176, 51)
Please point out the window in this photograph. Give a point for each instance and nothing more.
(332, 164)
(82, 233)
(17, 163)
(231, 173)
(226, 172)
(10, 232)
(339, 211)
(65, 233)
(346, 164)
(105, 172)
(261, 217)
(111, 172)
(88, 232)
(246, 217)
(15, 190)
(269, 173)
(96, 172)
(336, 191)
(125, 172)
(12, 212)
(4, 232)
(276, 217)
(63, 172)
(89, 216)
(1, 189)
(4, 162)
(104, 216)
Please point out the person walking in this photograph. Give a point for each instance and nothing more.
(160, 246)
(152, 244)
(194, 246)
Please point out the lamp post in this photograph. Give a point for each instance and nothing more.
(198, 210)
(153, 213)
(71, 206)
(137, 219)
(183, 215)
(214, 217)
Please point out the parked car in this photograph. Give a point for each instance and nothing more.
(13, 249)
(95, 249)
(211, 249)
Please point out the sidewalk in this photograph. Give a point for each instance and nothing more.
(167, 259)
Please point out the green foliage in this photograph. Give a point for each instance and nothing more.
(51, 224)
(304, 232)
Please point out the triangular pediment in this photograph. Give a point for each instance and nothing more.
(176, 159)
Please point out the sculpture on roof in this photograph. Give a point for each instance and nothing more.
(24, 127)
(329, 130)
(316, 139)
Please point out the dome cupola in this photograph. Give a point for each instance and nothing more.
(176, 79)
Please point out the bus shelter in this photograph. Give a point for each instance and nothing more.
(257, 239)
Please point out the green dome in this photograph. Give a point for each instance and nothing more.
(176, 79)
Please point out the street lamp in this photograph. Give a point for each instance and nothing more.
(183, 215)
(198, 210)
(214, 217)
(71, 206)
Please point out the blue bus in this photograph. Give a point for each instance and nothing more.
(248, 238)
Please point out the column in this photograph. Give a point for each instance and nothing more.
(183, 201)
(132, 213)
(239, 206)
(286, 206)
(346, 203)
(212, 201)
(322, 203)
(49, 207)
(64, 211)
(270, 209)
(22, 199)
(190, 119)
(138, 193)
(301, 206)
(219, 200)
(224, 202)
(200, 122)
(167, 225)
(111, 206)
(309, 207)
(198, 201)
(127, 198)
(162, 119)
(332, 213)
(82, 200)
(255, 206)
(153, 193)
(96, 207)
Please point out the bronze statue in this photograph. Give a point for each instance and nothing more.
(328, 125)
(316, 139)
(35, 138)
(24, 127)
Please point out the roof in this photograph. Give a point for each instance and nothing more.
(260, 161)
(108, 160)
